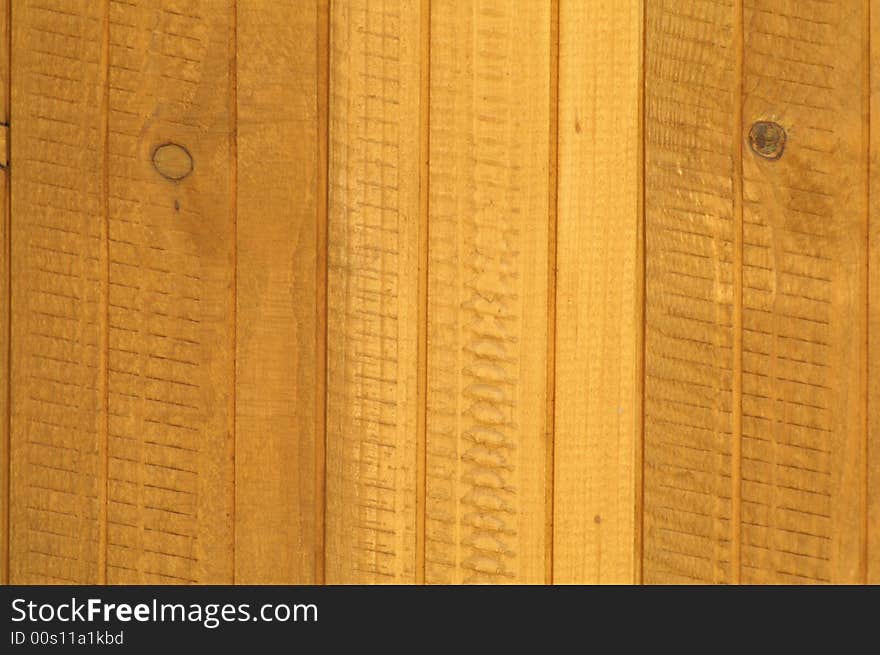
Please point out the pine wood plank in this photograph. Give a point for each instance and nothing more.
(122, 338)
(4, 296)
(691, 92)
(804, 291)
(278, 425)
(873, 450)
(488, 292)
(598, 307)
(59, 291)
(170, 309)
(166, 337)
(372, 292)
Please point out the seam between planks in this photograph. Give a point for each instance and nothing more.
(7, 287)
(552, 217)
(323, 164)
(872, 532)
(641, 316)
(233, 208)
(866, 136)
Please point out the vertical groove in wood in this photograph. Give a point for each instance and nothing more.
(372, 393)
(321, 272)
(56, 278)
(232, 443)
(278, 321)
(487, 292)
(598, 336)
(690, 93)
(639, 313)
(424, 158)
(872, 515)
(804, 321)
(552, 248)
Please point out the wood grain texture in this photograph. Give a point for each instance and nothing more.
(598, 310)
(690, 93)
(5, 271)
(122, 354)
(372, 315)
(422, 291)
(487, 292)
(59, 291)
(769, 458)
(278, 425)
(170, 306)
(804, 321)
(873, 446)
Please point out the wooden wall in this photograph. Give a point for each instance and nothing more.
(439, 291)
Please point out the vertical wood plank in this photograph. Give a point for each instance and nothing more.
(598, 333)
(170, 303)
(804, 294)
(691, 91)
(122, 333)
(5, 272)
(487, 292)
(59, 286)
(873, 462)
(277, 317)
(372, 291)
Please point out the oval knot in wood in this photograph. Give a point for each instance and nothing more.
(767, 139)
(173, 161)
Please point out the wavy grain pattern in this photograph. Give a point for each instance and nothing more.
(487, 293)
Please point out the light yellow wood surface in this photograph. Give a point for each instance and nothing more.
(487, 293)
(279, 425)
(439, 291)
(372, 291)
(598, 311)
